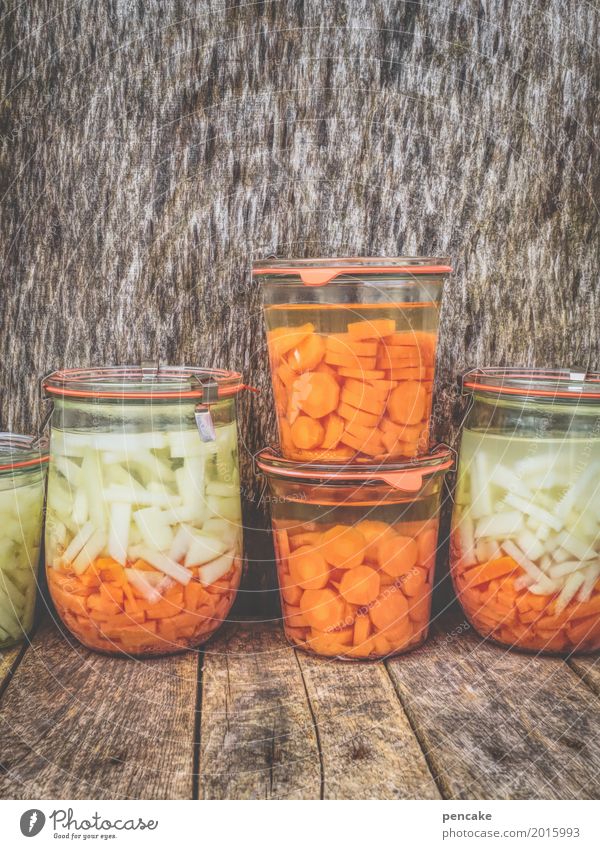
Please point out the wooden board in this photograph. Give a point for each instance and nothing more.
(9, 658)
(589, 669)
(368, 748)
(79, 725)
(500, 725)
(257, 737)
(151, 150)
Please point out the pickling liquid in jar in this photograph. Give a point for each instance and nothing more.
(525, 554)
(353, 382)
(143, 529)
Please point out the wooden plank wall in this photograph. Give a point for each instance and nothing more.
(151, 149)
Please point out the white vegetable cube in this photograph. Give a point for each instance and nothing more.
(190, 480)
(91, 477)
(118, 532)
(500, 525)
(204, 548)
(154, 528)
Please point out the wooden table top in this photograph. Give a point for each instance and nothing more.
(249, 717)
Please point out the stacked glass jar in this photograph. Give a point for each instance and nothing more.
(352, 346)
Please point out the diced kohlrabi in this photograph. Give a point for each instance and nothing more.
(592, 573)
(91, 479)
(575, 546)
(542, 532)
(589, 476)
(185, 443)
(69, 469)
(80, 507)
(162, 562)
(532, 509)
(129, 443)
(566, 568)
(8, 618)
(190, 484)
(203, 549)
(118, 531)
(569, 590)
(529, 544)
(487, 549)
(139, 579)
(480, 485)
(224, 508)
(559, 555)
(229, 532)
(140, 495)
(183, 513)
(500, 525)
(91, 549)
(181, 543)
(14, 594)
(226, 490)
(77, 543)
(155, 530)
(466, 540)
(214, 570)
(506, 479)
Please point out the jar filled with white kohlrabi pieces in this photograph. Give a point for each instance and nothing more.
(143, 533)
(23, 465)
(525, 553)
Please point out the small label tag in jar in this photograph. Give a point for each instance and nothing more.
(204, 423)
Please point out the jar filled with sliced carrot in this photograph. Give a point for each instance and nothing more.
(352, 346)
(143, 527)
(355, 553)
(525, 552)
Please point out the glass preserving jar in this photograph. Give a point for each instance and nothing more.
(143, 528)
(525, 552)
(352, 344)
(23, 464)
(355, 553)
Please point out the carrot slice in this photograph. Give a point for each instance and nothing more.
(412, 373)
(362, 630)
(376, 406)
(307, 432)
(343, 546)
(334, 428)
(308, 568)
(286, 374)
(389, 610)
(283, 339)
(371, 391)
(490, 570)
(343, 343)
(308, 354)
(290, 592)
(330, 643)
(360, 585)
(407, 403)
(412, 581)
(373, 532)
(397, 555)
(323, 455)
(371, 328)
(316, 393)
(362, 374)
(349, 360)
(373, 446)
(322, 608)
(359, 417)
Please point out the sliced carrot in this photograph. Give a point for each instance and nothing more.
(357, 416)
(74, 603)
(349, 360)
(308, 568)
(293, 616)
(343, 547)
(111, 592)
(372, 446)
(360, 585)
(411, 582)
(427, 545)
(362, 374)
(287, 375)
(397, 555)
(419, 605)
(301, 538)
(330, 643)
(376, 406)
(389, 611)
(290, 591)
(363, 389)
(490, 570)
(343, 343)
(323, 455)
(317, 393)
(362, 630)
(322, 608)
(195, 595)
(407, 403)
(371, 328)
(334, 428)
(413, 373)
(308, 354)
(307, 433)
(373, 532)
(405, 432)
(362, 432)
(283, 339)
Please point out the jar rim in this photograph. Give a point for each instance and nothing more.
(407, 475)
(144, 382)
(19, 451)
(575, 384)
(321, 270)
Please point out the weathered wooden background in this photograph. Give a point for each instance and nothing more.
(151, 149)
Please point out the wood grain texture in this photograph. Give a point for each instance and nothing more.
(500, 725)
(368, 748)
(150, 150)
(78, 725)
(588, 668)
(9, 659)
(257, 737)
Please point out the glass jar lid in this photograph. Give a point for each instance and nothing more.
(145, 382)
(546, 384)
(319, 272)
(407, 476)
(21, 452)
